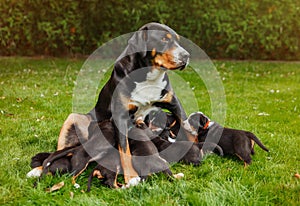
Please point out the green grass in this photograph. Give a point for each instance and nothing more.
(36, 97)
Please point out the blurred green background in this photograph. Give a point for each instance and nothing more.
(241, 29)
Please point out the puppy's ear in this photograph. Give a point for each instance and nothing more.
(203, 120)
(138, 42)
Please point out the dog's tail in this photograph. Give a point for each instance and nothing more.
(257, 141)
(210, 146)
(90, 180)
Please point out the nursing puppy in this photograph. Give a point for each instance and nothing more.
(60, 166)
(232, 141)
(163, 124)
(76, 158)
(165, 127)
(146, 158)
(107, 171)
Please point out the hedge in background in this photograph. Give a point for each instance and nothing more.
(238, 29)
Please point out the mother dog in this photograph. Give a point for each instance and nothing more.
(138, 84)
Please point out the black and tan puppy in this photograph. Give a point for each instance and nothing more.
(146, 159)
(61, 166)
(107, 171)
(163, 124)
(232, 141)
(101, 137)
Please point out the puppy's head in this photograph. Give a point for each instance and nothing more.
(162, 124)
(160, 44)
(197, 121)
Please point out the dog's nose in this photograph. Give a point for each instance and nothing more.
(185, 56)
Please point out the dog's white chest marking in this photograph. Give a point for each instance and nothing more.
(148, 92)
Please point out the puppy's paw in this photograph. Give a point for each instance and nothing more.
(36, 172)
(178, 176)
(132, 182)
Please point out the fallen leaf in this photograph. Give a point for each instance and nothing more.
(55, 187)
(71, 195)
(297, 175)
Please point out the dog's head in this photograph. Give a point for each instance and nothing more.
(196, 122)
(161, 123)
(159, 44)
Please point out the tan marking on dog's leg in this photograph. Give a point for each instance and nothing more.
(126, 162)
(252, 143)
(81, 123)
(74, 177)
(153, 52)
(98, 174)
(239, 156)
(116, 185)
(63, 134)
(245, 165)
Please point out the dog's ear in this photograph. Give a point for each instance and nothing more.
(138, 42)
(203, 120)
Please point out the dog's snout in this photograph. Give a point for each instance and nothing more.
(185, 56)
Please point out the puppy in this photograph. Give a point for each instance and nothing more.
(143, 150)
(189, 157)
(163, 124)
(75, 159)
(60, 166)
(232, 141)
(107, 170)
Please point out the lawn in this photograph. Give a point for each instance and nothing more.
(262, 97)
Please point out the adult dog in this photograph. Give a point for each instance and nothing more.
(232, 141)
(137, 84)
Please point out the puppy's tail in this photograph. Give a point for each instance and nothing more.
(210, 146)
(90, 181)
(257, 141)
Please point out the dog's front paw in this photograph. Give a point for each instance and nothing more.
(132, 182)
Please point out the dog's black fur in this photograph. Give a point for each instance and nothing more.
(108, 177)
(61, 166)
(163, 124)
(150, 52)
(232, 141)
(78, 157)
(146, 159)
